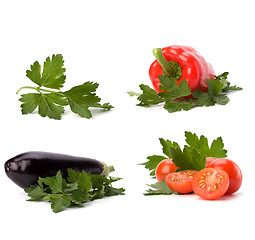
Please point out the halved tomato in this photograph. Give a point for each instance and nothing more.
(165, 167)
(210, 183)
(181, 182)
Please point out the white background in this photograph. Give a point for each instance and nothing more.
(111, 42)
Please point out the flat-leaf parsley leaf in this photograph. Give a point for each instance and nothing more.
(78, 188)
(179, 97)
(50, 102)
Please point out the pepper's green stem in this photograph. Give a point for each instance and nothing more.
(168, 69)
(107, 169)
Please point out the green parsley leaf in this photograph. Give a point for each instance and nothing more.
(35, 192)
(188, 159)
(50, 103)
(30, 102)
(52, 75)
(154, 160)
(195, 142)
(48, 106)
(217, 149)
(81, 97)
(171, 90)
(226, 85)
(58, 203)
(166, 144)
(53, 72)
(223, 79)
(193, 155)
(152, 163)
(149, 97)
(159, 188)
(73, 176)
(111, 191)
(201, 144)
(84, 89)
(80, 196)
(76, 189)
(202, 99)
(178, 97)
(213, 96)
(84, 182)
(35, 73)
(54, 183)
(214, 87)
(177, 106)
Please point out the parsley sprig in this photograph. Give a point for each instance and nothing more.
(191, 157)
(175, 97)
(78, 188)
(51, 102)
(159, 188)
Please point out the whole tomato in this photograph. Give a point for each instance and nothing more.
(164, 168)
(233, 171)
(209, 160)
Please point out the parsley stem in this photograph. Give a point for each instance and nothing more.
(25, 87)
(168, 69)
(38, 89)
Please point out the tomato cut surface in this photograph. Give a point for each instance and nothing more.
(181, 182)
(233, 171)
(210, 183)
(164, 168)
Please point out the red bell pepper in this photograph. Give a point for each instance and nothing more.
(193, 67)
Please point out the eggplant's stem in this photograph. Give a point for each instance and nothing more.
(107, 169)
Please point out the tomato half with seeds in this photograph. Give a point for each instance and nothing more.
(233, 171)
(181, 182)
(165, 167)
(210, 183)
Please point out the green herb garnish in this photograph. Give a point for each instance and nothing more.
(78, 188)
(159, 188)
(51, 102)
(175, 97)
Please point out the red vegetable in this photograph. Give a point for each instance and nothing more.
(233, 171)
(210, 183)
(164, 168)
(193, 66)
(209, 160)
(181, 182)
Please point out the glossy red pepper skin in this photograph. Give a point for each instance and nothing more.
(194, 68)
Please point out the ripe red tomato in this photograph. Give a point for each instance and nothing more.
(233, 171)
(209, 160)
(165, 167)
(210, 183)
(181, 182)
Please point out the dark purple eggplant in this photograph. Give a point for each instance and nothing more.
(25, 169)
